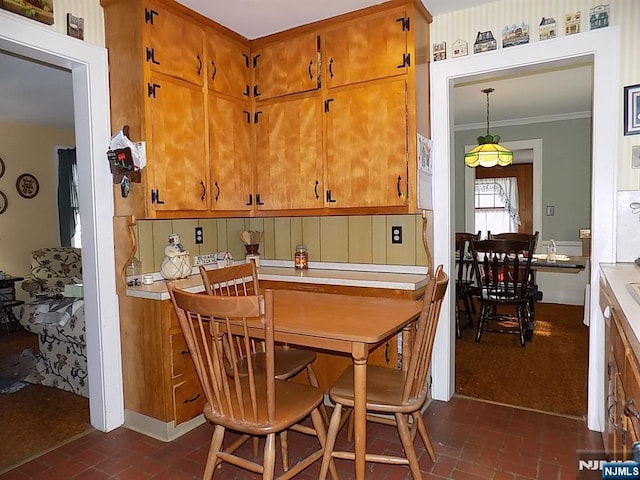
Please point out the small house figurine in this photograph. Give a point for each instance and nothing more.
(439, 51)
(598, 17)
(547, 28)
(485, 42)
(515, 35)
(460, 48)
(572, 23)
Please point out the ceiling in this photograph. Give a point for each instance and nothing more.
(40, 94)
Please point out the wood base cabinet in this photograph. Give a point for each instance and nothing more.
(622, 386)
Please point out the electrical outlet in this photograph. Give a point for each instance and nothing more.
(396, 234)
(551, 210)
(199, 236)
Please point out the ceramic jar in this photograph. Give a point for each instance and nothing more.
(177, 261)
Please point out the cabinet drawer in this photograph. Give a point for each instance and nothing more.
(181, 362)
(188, 398)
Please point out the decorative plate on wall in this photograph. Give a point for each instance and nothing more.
(27, 185)
(3, 203)
(1, 167)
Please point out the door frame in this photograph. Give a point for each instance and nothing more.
(89, 71)
(602, 47)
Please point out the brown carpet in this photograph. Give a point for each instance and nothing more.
(549, 374)
(36, 419)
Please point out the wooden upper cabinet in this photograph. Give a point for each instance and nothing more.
(365, 49)
(286, 67)
(367, 146)
(178, 145)
(175, 44)
(230, 153)
(228, 65)
(289, 154)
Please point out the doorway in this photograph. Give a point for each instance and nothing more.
(589, 46)
(88, 65)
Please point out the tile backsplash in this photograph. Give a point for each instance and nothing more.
(628, 226)
(338, 239)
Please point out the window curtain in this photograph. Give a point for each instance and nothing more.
(503, 219)
(68, 208)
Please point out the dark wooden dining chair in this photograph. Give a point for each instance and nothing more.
(395, 392)
(254, 403)
(503, 272)
(465, 282)
(242, 280)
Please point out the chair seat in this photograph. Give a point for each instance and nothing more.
(295, 402)
(289, 362)
(384, 390)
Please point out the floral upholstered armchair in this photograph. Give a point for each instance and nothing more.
(58, 321)
(52, 269)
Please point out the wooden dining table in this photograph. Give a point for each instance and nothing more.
(343, 324)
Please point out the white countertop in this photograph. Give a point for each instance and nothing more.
(393, 278)
(618, 275)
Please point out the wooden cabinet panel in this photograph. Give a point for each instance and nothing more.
(178, 145)
(365, 49)
(286, 67)
(175, 44)
(367, 146)
(229, 153)
(228, 67)
(289, 154)
(181, 361)
(188, 398)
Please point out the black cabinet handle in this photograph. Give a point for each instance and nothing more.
(184, 352)
(310, 73)
(191, 400)
(217, 191)
(398, 186)
(204, 190)
(315, 190)
(199, 64)
(215, 70)
(331, 68)
(386, 353)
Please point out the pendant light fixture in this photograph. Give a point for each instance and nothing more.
(489, 152)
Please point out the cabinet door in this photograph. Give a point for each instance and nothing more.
(175, 44)
(228, 65)
(230, 153)
(286, 67)
(289, 154)
(367, 146)
(366, 49)
(178, 139)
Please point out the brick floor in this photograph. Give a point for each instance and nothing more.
(473, 440)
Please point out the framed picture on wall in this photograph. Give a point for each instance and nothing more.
(632, 110)
(40, 10)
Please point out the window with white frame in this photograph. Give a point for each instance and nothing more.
(496, 205)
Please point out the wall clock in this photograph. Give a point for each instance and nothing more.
(3, 203)
(1, 167)
(27, 185)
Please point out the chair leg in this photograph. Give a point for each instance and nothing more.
(284, 447)
(269, 462)
(481, 321)
(350, 425)
(332, 434)
(313, 381)
(457, 310)
(407, 444)
(319, 426)
(422, 429)
(467, 310)
(214, 449)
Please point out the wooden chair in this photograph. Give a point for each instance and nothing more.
(396, 392)
(465, 281)
(242, 280)
(503, 271)
(253, 403)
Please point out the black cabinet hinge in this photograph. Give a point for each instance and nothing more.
(327, 102)
(256, 93)
(406, 23)
(148, 15)
(248, 114)
(151, 89)
(406, 60)
(246, 60)
(255, 61)
(155, 197)
(151, 56)
(329, 199)
(256, 117)
(258, 202)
